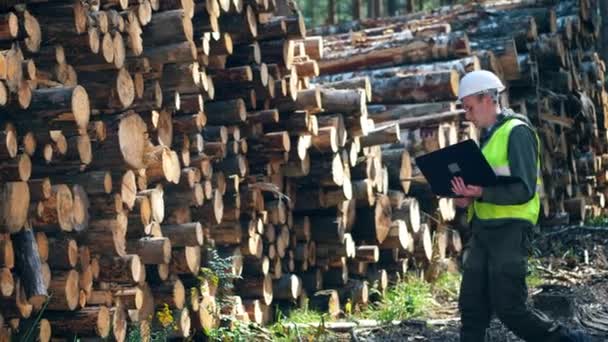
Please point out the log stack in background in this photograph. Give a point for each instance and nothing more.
(138, 134)
(543, 50)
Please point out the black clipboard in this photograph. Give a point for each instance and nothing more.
(464, 160)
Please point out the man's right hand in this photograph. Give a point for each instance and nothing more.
(463, 202)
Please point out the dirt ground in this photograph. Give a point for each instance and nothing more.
(574, 291)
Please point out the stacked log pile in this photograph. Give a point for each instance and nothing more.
(543, 50)
(145, 140)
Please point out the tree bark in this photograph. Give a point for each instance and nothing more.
(29, 267)
(396, 51)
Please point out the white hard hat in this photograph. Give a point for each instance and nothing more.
(477, 82)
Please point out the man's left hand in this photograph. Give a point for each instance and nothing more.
(461, 189)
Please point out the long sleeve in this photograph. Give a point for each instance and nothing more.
(522, 154)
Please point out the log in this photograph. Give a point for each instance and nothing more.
(346, 101)
(41, 329)
(257, 288)
(118, 97)
(16, 306)
(156, 250)
(373, 225)
(410, 213)
(182, 235)
(125, 270)
(398, 238)
(423, 87)
(369, 253)
(64, 286)
(362, 78)
(423, 243)
(171, 292)
(63, 253)
(387, 134)
(16, 169)
(93, 182)
(29, 267)
(522, 28)
(256, 267)
(397, 51)
(86, 322)
(207, 317)
(549, 51)
(15, 205)
(326, 301)
(241, 27)
(8, 144)
(7, 254)
(157, 32)
(506, 53)
(288, 287)
(55, 213)
(355, 292)
(185, 260)
(226, 112)
(399, 166)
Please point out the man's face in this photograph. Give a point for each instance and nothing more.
(480, 110)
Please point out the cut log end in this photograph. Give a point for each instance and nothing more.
(103, 322)
(10, 143)
(13, 25)
(16, 198)
(125, 88)
(131, 132)
(80, 106)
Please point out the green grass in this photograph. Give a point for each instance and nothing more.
(281, 331)
(534, 277)
(447, 286)
(411, 297)
(598, 221)
(305, 315)
(407, 299)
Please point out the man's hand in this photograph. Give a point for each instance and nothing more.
(459, 188)
(463, 202)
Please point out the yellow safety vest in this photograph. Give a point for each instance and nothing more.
(496, 153)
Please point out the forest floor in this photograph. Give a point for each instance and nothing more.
(569, 283)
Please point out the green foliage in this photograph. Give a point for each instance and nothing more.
(286, 327)
(447, 286)
(598, 221)
(236, 332)
(409, 298)
(305, 315)
(158, 331)
(316, 11)
(534, 278)
(219, 274)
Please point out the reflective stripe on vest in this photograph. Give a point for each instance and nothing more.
(496, 153)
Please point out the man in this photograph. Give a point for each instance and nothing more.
(501, 218)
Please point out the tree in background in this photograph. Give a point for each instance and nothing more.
(603, 41)
(328, 12)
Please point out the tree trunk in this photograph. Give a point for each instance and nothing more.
(603, 40)
(356, 9)
(331, 12)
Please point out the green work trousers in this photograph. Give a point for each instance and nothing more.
(494, 282)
